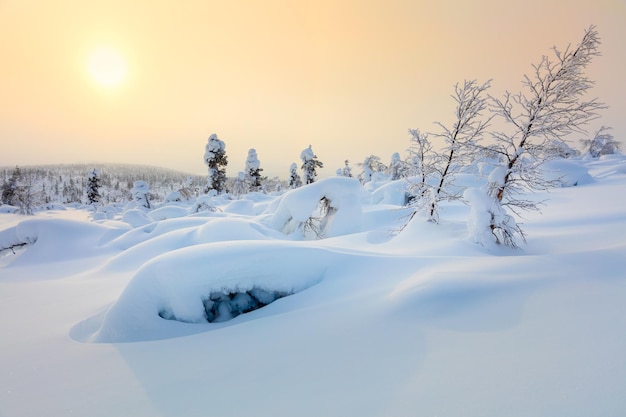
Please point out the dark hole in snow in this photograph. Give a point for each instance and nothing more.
(222, 306)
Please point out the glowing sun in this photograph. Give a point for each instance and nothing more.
(107, 67)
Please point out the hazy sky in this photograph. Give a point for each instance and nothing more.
(348, 77)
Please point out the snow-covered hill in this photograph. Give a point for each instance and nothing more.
(273, 305)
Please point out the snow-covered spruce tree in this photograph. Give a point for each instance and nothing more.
(93, 187)
(602, 143)
(10, 188)
(216, 160)
(550, 107)
(253, 171)
(27, 196)
(140, 193)
(397, 167)
(347, 170)
(294, 179)
(19, 190)
(370, 166)
(310, 165)
(461, 141)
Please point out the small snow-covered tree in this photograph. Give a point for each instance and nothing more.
(370, 166)
(93, 187)
(347, 170)
(602, 143)
(550, 107)
(187, 191)
(10, 188)
(240, 185)
(216, 161)
(140, 192)
(20, 191)
(397, 167)
(309, 165)
(253, 171)
(294, 179)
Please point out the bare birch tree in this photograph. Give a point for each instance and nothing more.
(550, 107)
(461, 140)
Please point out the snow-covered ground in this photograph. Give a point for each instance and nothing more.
(139, 315)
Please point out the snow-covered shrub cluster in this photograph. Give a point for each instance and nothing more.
(603, 143)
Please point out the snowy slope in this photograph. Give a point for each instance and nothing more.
(105, 318)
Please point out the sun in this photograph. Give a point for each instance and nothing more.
(107, 67)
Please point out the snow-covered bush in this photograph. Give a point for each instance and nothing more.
(294, 179)
(397, 167)
(205, 203)
(370, 166)
(327, 208)
(239, 185)
(346, 171)
(140, 193)
(135, 218)
(603, 143)
(488, 222)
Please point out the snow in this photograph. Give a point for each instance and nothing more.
(566, 172)
(297, 206)
(237, 311)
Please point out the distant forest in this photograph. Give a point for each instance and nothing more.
(67, 184)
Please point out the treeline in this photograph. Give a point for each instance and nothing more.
(43, 186)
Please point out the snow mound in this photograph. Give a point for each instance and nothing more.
(300, 208)
(205, 283)
(5, 208)
(168, 212)
(392, 192)
(243, 207)
(470, 299)
(566, 172)
(158, 238)
(54, 240)
(136, 218)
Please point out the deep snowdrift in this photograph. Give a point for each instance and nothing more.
(240, 310)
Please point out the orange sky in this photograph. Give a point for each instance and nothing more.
(347, 77)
